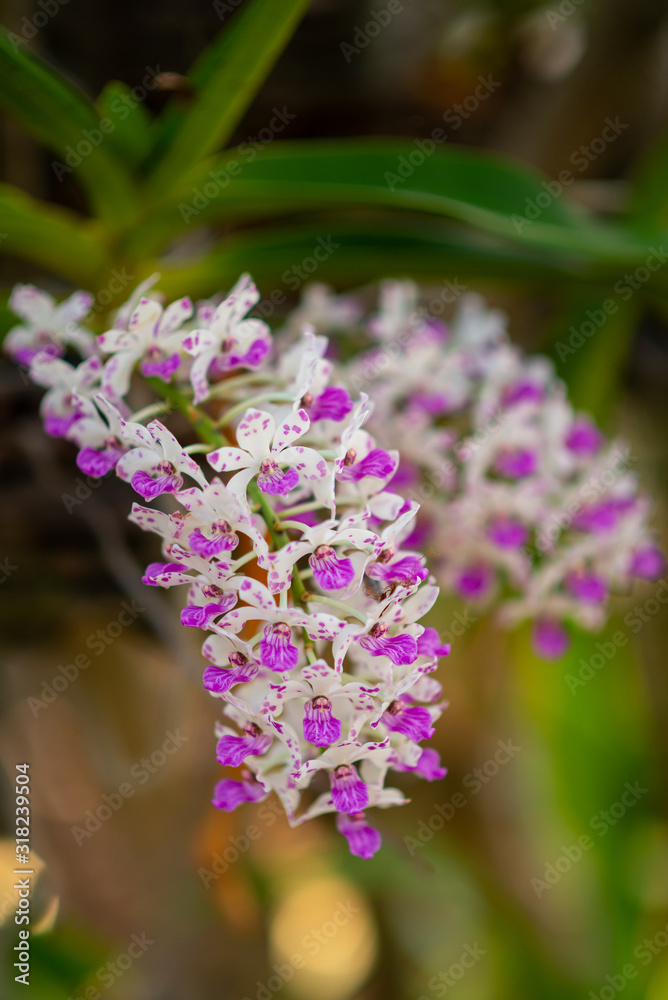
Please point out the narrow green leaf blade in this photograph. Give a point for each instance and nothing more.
(61, 117)
(54, 238)
(225, 80)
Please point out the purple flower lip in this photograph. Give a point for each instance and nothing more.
(587, 587)
(401, 649)
(149, 488)
(223, 540)
(349, 793)
(429, 644)
(474, 582)
(155, 570)
(330, 572)
(363, 840)
(155, 363)
(377, 463)
(516, 463)
(320, 727)
(412, 721)
(271, 479)
(648, 563)
(522, 392)
(98, 463)
(332, 404)
(550, 639)
(228, 793)
(507, 533)
(584, 439)
(276, 649)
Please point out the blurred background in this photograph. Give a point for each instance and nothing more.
(538, 868)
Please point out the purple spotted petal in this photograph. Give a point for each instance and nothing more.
(320, 726)
(349, 793)
(363, 840)
(157, 569)
(228, 794)
(149, 488)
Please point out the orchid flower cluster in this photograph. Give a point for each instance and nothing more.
(291, 549)
(527, 509)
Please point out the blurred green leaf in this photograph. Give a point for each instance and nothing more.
(225, 79)
(354, 253)
(51, 237)
(131, 138)
(52, 110)
(648, 203)
(477, 188)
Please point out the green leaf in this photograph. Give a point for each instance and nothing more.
(474, 187)
(61, 117)
(225, 79)
(354, 253)
(52, 237)
(131, 138)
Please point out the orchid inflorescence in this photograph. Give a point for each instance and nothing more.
(526, 507)
(294, 554)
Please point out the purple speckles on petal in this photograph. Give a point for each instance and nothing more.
(349, 793)
(320, 726)
(550, 639)
(330, 572)
(276, 649)
(363, 840)
(149, 488)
